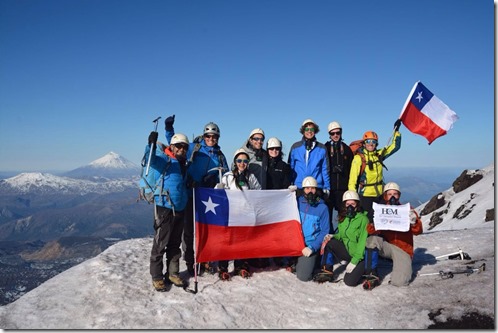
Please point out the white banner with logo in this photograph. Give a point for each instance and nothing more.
(388, 217)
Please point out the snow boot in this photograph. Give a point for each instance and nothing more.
(159, 285)
(224, 275)
(371, 281)
(176, 280)
(243, 270)
(326, 275)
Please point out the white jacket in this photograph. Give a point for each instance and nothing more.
(228, 181)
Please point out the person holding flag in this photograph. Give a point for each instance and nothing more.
(366, 175)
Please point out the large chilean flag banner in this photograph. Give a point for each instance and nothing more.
(425, 114)
(233, 224)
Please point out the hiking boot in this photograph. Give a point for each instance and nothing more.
(208, 267)
(243, 272)
(224, 275)
(371, 281)
(159, 285)
(176, 280)
(291, 268)
(324, 276)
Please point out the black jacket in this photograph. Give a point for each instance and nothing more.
(278, 175)
(340, 159)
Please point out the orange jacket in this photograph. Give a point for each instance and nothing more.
(403, 240)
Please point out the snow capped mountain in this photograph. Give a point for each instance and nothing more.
(45, 183)
(113, 161)
(472, 196)
(110, 166)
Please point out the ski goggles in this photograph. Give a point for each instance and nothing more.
(371, 141)
(242, 161)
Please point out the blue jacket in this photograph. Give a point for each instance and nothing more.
(204, 159)
(314, 222)
(314, 163)
(171, 190)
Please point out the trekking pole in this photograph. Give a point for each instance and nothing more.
(194, 291)
(454, 255)
(450, 274)
(151, 147)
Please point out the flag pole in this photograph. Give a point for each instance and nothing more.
(408, 99)
(195, 248)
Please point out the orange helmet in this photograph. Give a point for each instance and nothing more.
(370, 135)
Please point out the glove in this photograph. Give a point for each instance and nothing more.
(350, 267)
(292, 188)
(413, 217)
(326, 194)
(307, 251)
(397, 124)
(219, 186)
(328, 237)
(168, 123)
(153, 138)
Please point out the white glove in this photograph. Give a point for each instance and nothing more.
(219, 186)
(328, 237)
(344, 262)
(292, 188)
(350, 267)
(307, 251)
(326, 193)
(413, 217)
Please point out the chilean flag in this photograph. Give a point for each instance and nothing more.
(425, 114)
(233, 224)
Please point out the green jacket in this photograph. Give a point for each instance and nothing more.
(353, 234)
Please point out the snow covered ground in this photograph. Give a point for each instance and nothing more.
(114, 291)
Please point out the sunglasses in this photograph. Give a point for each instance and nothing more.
(211, 136)
(371, 141)
(183, 146)
(309, 129)
(258, 139)
(335, 133)
(274, 148)
(242, 161)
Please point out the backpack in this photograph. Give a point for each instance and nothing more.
(148, 184)
(356, 148)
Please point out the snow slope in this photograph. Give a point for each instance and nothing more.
(113, 291)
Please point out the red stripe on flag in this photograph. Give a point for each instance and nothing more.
(280, 239)
(419, 123)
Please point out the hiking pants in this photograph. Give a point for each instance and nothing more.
(367, 203)
(305, 266)
(167, 240)
(336, 248)
(188, 234)
(402, 262)
(334, 202)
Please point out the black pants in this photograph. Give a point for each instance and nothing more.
(167, 240)
(367, 203)
(335, 249)
(334, 202)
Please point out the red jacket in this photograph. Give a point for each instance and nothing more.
(403, 240)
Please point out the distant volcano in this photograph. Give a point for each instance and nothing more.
(111, 166)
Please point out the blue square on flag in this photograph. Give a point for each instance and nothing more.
(211, 206)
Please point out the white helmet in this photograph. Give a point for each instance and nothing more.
(334, 125)
(309, 182)
(211, 128)
(179, 138)
(257, 131)
(238, 152)
(307, 121)
(391, 186)
(273, 142)
(350, 195)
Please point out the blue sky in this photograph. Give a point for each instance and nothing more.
(80, 78)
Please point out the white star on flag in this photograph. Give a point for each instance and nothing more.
(419, 97)
(210, 206)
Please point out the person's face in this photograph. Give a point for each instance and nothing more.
(335, 134)
(241, 162)
(353, 203)
(392, 193)
(211, 139)
(274, 152)
(309, 131)
(257, 141)
(180, 150)
(370, 144)
(307, 190)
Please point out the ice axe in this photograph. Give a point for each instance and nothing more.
(155, 121)
(220, 169)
